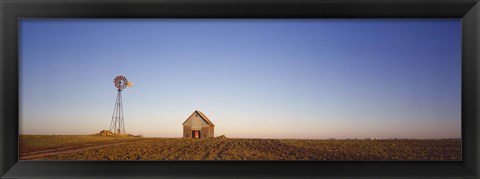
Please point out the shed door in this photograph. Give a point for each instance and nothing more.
(196, 134)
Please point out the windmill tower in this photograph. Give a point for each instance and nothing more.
(117, 126)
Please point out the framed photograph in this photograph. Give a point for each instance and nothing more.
(249, 88)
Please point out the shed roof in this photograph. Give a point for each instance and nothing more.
(205, 118)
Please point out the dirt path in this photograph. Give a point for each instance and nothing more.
(56, 151)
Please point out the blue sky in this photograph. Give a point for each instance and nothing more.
(262, 78)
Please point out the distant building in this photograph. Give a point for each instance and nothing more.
(197, 126)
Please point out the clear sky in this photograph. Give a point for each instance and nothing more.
(255, 78)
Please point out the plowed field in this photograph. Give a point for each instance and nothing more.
(98, 148)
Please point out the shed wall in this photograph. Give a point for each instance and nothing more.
(187, 132)
(205, 132)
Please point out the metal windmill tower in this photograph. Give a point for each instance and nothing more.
(117, 125)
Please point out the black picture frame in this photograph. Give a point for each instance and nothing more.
(12, 10)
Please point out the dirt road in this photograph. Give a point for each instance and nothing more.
(70, 149)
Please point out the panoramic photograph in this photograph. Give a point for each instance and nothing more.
(240, 89)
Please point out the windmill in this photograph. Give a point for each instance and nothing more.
(117, 125)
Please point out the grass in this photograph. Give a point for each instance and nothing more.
(250, 149)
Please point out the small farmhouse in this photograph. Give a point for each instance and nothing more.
(197, 126)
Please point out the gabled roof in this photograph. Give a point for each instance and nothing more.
(205, 118)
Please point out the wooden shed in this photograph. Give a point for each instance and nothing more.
(198, 126)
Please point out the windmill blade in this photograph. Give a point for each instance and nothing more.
(120, 82)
